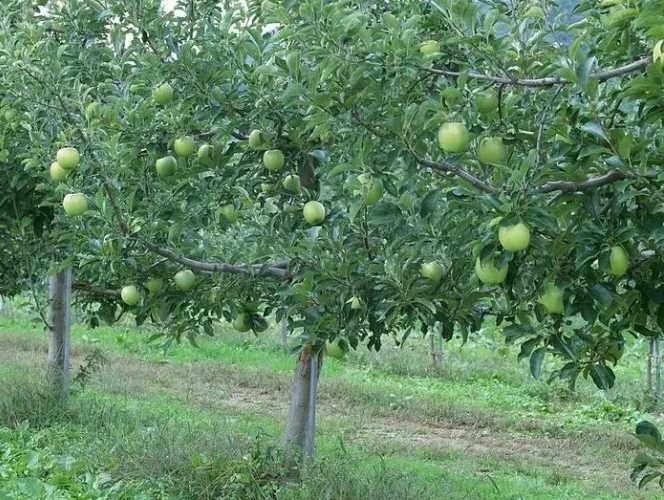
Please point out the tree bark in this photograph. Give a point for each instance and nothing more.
(301, 423)
(658, 371)
(651, 348)
(59, 326)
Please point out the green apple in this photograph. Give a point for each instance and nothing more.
(429, 47)
(514, 238)
(75, 204)
(166, 166)
(372, 191)
(241, 322)
(552, 299)
(355, 303)
(618, 261)
(292, 183)
(534, 12)
(154, 285)
(491, 150)
(486, 102)
(255, 139)
(406, 200)
(57, 173)
(432, 271)
(334, 350)
(204, 153)
(453, 137)
(130, 295)
(184, 146)
(229, 213)
(185, 279)
(488, 273)
(273, 159)
(163, 94)
(10, 114)
(68, 158)
(314, 212)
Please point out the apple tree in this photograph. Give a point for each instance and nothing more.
(359, 169)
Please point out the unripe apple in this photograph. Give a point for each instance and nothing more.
(154, 285)
(292, 183)
(185, 279)
(491, 150)
(57, 173)
(429, 47)
(10, 114)
(184, 146)
(488, 273)
(552, 300)
(130, 295)
(453, 137)
(166, 166)
(314, 212)
(334, 350)
(406, 200)
(514, 238)
(618, 261)
(486, 102)
(355, 303)
(255, 139)
(273, 159)
(372, 190)
(204, 153)
(534, 12)
(241, 322)
(432, 271)
(163, 94)
(75, 204)
(229, 213)
(68, 158)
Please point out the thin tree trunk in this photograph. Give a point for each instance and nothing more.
(300, 426)
(651, 349)
(432, 350)
(59, 325)
(658, 371)
(284, 333)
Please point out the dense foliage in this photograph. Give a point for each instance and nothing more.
(344, 91)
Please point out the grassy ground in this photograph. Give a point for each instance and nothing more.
(205, 422)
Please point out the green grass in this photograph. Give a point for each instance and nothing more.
(478, 427)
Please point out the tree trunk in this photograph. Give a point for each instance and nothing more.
(301, 423)
(284, 333)
(651, 349)
(658, 370)
(59, 324)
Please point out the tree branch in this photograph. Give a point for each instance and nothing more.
(279, 269)
(602, 76)
(584, 185)
(84, 287)
(451, 169)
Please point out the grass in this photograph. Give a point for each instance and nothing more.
(390, 426)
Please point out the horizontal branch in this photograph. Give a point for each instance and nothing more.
(584, 185)
(84, 287)
(602, 76)
(279, 269)
(451, 169)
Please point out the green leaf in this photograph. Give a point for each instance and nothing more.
(602, 376)
(536, 360)
(595, 129)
